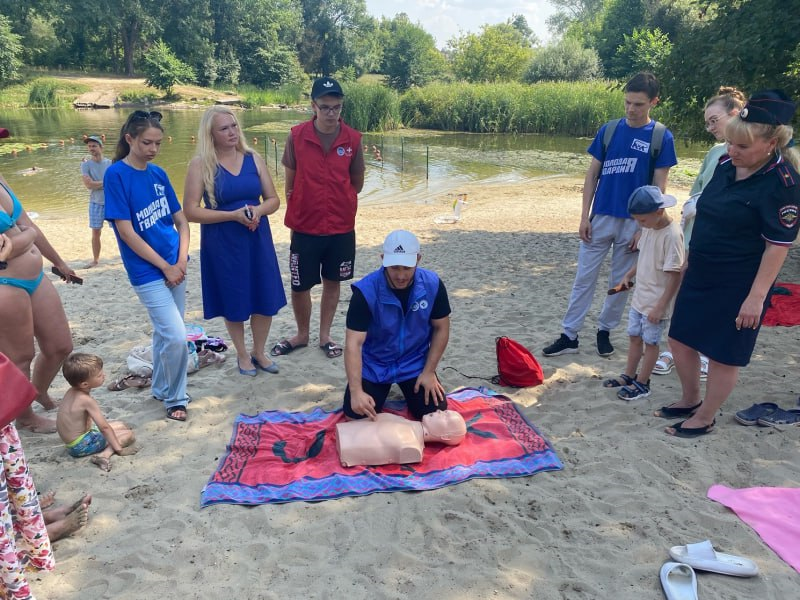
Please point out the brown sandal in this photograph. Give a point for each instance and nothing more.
(129, 381)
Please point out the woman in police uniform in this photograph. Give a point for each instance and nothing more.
(747, 218)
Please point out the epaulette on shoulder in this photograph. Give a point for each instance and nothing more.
(788, 177)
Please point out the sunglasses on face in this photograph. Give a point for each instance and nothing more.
(143, 114)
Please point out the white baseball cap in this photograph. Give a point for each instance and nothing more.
(400, 249)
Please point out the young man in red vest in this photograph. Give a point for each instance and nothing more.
(324, 166)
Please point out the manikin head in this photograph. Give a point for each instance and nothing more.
(444, 426)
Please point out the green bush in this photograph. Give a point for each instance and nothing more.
(138, 97)
(164, 70)
(371, 107)
(43, 94)
(555, 107)
(566, 61)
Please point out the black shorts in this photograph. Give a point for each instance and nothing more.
(380, 391)
(329, 256)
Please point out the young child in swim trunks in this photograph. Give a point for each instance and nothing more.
(80, 422)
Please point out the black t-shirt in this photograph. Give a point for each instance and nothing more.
(359, 317)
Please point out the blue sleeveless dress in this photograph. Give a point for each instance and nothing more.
(238, 267)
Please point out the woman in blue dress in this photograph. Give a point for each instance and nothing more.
(230, 193)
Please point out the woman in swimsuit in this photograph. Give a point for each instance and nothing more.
(30, 307)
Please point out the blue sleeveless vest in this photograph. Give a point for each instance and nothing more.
(397, 344)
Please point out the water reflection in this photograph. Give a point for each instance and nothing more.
(45, 172)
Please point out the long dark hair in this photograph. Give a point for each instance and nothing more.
(137, 122)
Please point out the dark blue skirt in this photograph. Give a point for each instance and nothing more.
(706, 308)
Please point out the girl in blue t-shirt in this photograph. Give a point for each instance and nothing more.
(153, 237)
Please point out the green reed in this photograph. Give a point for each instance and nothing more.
(43, 93)
(563, 108)
(286, 95)
(371, 107)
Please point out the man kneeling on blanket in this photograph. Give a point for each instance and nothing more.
(398, 325)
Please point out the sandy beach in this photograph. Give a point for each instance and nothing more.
(598, 529)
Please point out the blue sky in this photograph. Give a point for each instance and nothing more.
(445, 19)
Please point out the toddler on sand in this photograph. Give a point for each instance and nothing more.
(81, 424)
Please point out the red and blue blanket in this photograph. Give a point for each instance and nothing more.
(276, 457)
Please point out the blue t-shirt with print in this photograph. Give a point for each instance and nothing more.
(626, 165)
(147, 200)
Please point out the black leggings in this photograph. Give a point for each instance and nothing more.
(379, 392)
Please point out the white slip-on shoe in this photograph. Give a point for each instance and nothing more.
(679, 581)
(703, 557)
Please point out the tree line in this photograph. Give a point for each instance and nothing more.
(693, 46)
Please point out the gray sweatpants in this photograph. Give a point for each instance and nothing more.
(608, 233)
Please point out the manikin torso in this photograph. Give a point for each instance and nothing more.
(391, 439)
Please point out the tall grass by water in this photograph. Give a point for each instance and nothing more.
(371, 107)
(286, 95)
(563, 108)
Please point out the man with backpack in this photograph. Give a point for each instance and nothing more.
(626, 154)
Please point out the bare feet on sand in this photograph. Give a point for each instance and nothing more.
(52, 515)
(37, 424)
(94, 263)
(76, 517)
(47, 499)
(103, 462)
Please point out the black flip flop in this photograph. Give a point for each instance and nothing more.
(691, 432)
(284, 347)
(671, 412)
(173, 409)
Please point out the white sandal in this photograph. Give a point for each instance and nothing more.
(664, 364)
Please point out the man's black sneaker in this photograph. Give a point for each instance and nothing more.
(562, 345)
(604, 347)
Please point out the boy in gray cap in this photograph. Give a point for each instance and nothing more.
(658, 276)
(93, 169)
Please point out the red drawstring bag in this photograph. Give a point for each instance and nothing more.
(16, 392)
(516, 366)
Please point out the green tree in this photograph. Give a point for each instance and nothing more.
(164, 70)
(498, 53)
(10, 51)
(410, 57)
(571, 13)
(248, 32)
(567, 60)
(746, 43)
(645, 50)
(330, 30)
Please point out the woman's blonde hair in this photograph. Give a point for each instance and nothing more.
(782, 134)
(206, 152)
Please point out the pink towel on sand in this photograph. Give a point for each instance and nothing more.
(773, 512)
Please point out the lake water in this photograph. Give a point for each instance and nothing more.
(45, 172)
